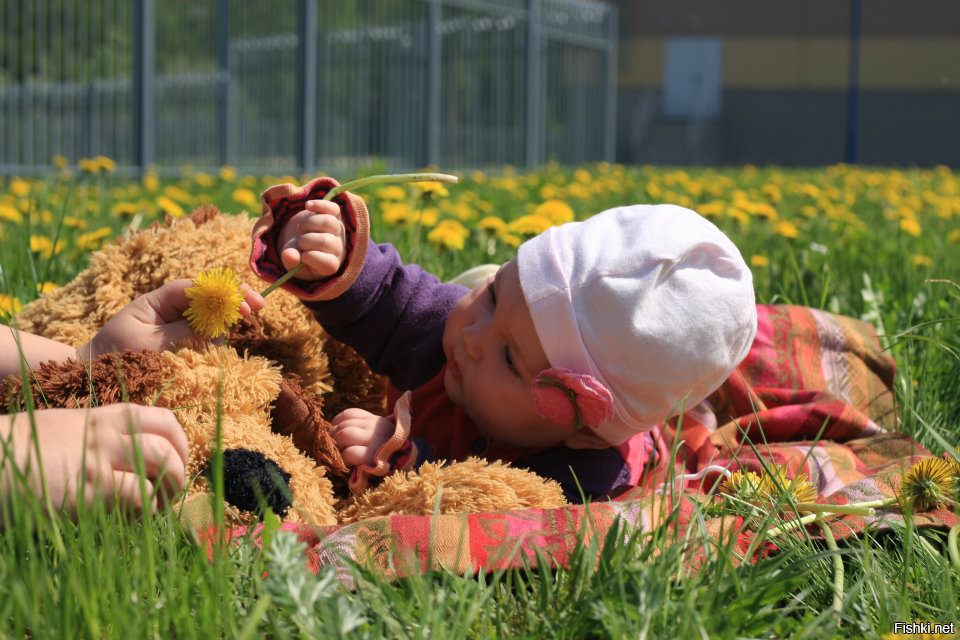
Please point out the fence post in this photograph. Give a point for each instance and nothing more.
(224, 79)
(533, 116)
(610, 139)
(307, 142)
(144, 84)
(432, 122)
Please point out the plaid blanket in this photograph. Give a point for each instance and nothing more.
(813, 395)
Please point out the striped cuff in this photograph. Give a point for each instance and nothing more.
(396, 454)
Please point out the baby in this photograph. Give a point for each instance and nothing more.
(564, 363)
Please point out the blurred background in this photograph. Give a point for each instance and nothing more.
(332, 84)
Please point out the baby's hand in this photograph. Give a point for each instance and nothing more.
(315, 236)
(359, 435)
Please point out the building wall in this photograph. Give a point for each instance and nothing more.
(768, 82)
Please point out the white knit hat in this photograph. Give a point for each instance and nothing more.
(653, 301)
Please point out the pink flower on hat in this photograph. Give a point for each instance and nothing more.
(567, 397)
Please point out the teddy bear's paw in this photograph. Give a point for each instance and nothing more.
(471, 486)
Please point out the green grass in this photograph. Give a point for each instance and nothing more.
(113, 576)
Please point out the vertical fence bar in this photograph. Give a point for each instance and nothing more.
(533, 115)
(610, 137)
(307, 131)
(144, 83)
(432, 123)
(224, 115)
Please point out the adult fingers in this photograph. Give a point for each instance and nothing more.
(169, 301)
(252, 300)
(161, 462)
(157, 421)
(134, 491)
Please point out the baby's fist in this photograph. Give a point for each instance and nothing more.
(316, 236)
(359, 435)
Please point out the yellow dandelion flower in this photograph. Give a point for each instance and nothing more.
(910, 225)
(776, 486)
(744, 485)
(19, 187)
(245, 197)
(93, 239)
(88, 165)
(478, 176)
(105, 164)
(74, 223)
(429, 216)
(178, 194)
(59, 162)
(169, 207)
(761, 210)
(953, 237)
(227, 173)
(44, 245)
(786, 229)
(203, 180)
(10, 214)
(432, 188)
(392, 192)
(396, 213)
(511, 239)
(151, 182)
(124, 209)
(9, 305)
(492, 224)
(921, 260)
(449, 234)
(928, 484)
(582, 176)
(43, 288)
(556, 211)
(713, 209)
(529, 225)
(757, 260)
(215, 300)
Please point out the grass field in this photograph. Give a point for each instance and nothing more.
(878, 244)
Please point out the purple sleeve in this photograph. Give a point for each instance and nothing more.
(393, 315)
(593, 473)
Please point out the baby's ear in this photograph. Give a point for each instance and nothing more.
(586, 438)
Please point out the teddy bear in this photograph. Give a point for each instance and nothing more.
(266, 394)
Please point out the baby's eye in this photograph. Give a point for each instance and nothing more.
(491, 293)
(510, 365)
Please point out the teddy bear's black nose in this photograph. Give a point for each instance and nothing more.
(251, 480)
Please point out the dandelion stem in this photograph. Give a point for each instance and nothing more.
(854, 509)
(356, 184)
(794, 524)
(838, 575)
(952, 546)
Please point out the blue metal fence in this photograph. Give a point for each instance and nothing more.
(306, 84)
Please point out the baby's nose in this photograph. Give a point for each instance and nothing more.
(471, 342)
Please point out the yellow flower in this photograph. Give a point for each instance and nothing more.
(529, 225)
(19, 187)
(953, 237)
(10, 214)
(396, 213)
(392, 192)
(492, 224)
(556, 211)
(59, 161)
(151, 182)
(928, 484)
(713, 209)
(204, 180)
(775, 485)
(215, 300)
(178, 194)
(744, 485)
(228, 173)
(44, 245)
(74, 222)
(432, 188)
(786, 229)
(910, 225)
(921, 260)
(449, 234)
(122, 209)
(511, 239)
(169, 207)
(105, 164)
(245, 197)
(9, 305)
(46, 287)
(759, 261)
(92, 240)
(428, 217)
(88, 165)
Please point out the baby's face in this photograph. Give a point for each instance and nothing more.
(493, 353)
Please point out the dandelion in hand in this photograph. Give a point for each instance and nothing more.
(215, 300)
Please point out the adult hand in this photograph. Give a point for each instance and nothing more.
(155, 321)
(92, 454)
